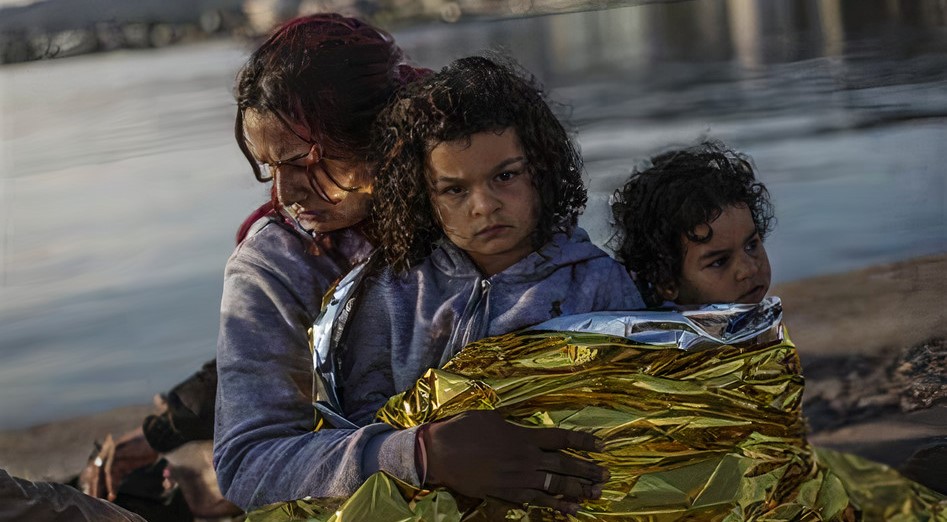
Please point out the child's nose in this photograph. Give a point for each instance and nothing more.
(484, 202)
(747, 268)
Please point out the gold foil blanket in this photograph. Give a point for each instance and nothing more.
(714, 433)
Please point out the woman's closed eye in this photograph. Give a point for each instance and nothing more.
(292, 163)
(291, 167)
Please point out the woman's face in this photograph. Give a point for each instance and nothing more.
(484, 196)
(323, 194)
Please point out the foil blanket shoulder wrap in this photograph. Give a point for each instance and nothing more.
(700, 411)
(323, 341)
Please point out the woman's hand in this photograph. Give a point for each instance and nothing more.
(478, 454)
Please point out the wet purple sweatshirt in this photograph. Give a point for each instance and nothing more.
(265, 449)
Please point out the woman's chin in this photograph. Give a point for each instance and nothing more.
(325, 222)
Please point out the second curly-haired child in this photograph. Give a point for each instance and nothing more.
(476, 197)
(691, 227)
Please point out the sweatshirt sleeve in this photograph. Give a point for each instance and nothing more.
(265, 448)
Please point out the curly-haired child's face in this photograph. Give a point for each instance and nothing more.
(484, 196)
(730, 268)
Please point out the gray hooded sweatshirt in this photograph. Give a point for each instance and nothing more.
(265, 448)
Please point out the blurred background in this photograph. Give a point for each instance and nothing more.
(121, 186)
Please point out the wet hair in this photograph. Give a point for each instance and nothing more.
(330, 73)
(469, 96)
(680, 190)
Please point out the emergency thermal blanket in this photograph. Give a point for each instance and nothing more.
(700, 412)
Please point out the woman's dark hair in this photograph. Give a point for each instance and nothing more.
(666, 202)
(471, 95)
(329, 72)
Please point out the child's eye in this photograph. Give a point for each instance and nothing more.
(718, 262)
(506, 175)
(752, 245)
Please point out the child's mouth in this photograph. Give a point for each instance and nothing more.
(755, 295)
(491, 230)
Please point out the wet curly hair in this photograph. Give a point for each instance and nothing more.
(332, 73)
(680, 190)
(471, 95)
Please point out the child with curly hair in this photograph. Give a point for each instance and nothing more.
(691, 227)
(476, 197)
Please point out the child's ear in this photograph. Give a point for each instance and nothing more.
(667, 291)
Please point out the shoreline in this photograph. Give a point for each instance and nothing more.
(870, 314)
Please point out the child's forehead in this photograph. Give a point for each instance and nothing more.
(463, 137)
(501, 137)
(482, 151)
(732, 221)
(433, 143)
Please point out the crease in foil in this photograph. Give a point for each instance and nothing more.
(703, 423)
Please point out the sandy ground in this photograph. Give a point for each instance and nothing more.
(873, 348)
(873, 385)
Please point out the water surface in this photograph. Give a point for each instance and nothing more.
(121, 187)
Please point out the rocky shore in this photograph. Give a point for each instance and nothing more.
(873, 345)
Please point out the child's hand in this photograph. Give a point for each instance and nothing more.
(480, 455)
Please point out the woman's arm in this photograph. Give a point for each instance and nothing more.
(265, 447)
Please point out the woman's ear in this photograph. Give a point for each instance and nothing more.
(667, 291)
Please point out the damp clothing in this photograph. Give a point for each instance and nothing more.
(265, 448)
(273, 288)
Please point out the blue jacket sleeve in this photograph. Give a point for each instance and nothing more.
(265, 448)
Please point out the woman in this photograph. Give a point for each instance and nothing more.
(306, 98)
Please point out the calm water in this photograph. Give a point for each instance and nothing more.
(121, 187)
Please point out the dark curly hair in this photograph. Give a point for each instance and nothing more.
(681, 190)
(471, 95)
